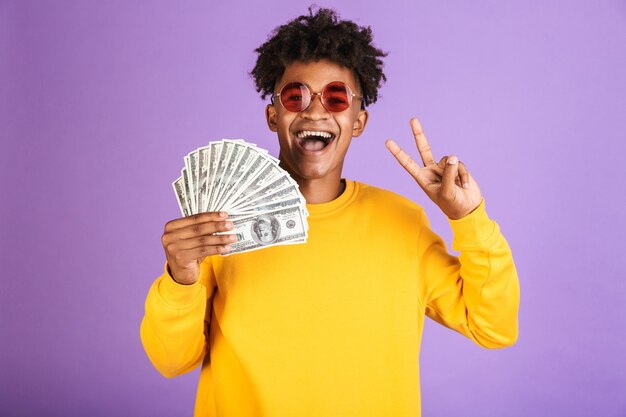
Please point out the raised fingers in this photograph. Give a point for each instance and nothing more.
(423, 147)
(404, 159)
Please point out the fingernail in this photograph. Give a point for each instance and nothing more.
(232, 238)
(453, 160)
(222, 214)
(465, 185)
(227, 248)
(228, 225)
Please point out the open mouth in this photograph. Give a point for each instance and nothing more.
(313, 140)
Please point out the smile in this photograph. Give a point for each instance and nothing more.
(313, 140)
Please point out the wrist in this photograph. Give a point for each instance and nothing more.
(181, 280)
(179, 296)
(474, 230)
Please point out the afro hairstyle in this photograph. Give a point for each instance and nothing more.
(316, 36)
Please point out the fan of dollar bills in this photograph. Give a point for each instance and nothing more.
(261, 199)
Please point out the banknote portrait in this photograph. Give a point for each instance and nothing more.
(265, 229)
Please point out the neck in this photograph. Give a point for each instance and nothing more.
(316, 193)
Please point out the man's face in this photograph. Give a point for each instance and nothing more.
(301, 154)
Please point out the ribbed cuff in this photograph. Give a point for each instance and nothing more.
(474, 230)
(175, 294)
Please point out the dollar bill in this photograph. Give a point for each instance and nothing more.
(257, 166)
(188, 192)
(181, 197)
(188, 178)
(216, 149)
(267, 175)
(203, 178)
(270, 206)
(271, 228)
(281, 188)
(232, 159)
(227, 149)
(242, 166)
(193, 169)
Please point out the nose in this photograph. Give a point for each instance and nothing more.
(316, 110)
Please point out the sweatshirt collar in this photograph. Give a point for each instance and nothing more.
(337, 204)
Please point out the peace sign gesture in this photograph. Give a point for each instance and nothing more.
(447, 183)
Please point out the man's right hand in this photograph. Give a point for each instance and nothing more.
(187, 241)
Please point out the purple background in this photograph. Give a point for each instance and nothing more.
(100, 101)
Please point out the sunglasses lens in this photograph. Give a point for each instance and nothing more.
(295, 97)
(337, 96)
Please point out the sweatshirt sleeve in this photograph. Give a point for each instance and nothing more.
(174, 329)
(476, 294)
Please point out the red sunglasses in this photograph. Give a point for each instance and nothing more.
(335, 97)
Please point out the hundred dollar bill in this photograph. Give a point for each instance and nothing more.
(281, 188)
(243, 166)
(270, 206)
(233, 159)
(227, 149)
(258, 165)
(267, 175)
(184, 174)
(203, 178)
(216, 149)
(179, 190)
(286, 197)
(189, 180)
(193, 165)
(267, 229)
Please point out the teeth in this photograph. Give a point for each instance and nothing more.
(306, 133)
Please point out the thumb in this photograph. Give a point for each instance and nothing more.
(450, 173)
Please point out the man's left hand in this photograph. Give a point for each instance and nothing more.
(447, 183)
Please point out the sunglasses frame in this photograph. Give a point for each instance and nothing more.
(351, 96)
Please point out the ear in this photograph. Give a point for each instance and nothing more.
(359, 123)
(271, 117)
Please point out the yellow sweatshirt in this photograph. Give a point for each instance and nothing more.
(333, 327)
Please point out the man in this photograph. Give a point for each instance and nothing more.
(332, 327)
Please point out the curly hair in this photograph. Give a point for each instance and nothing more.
(320, 36)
